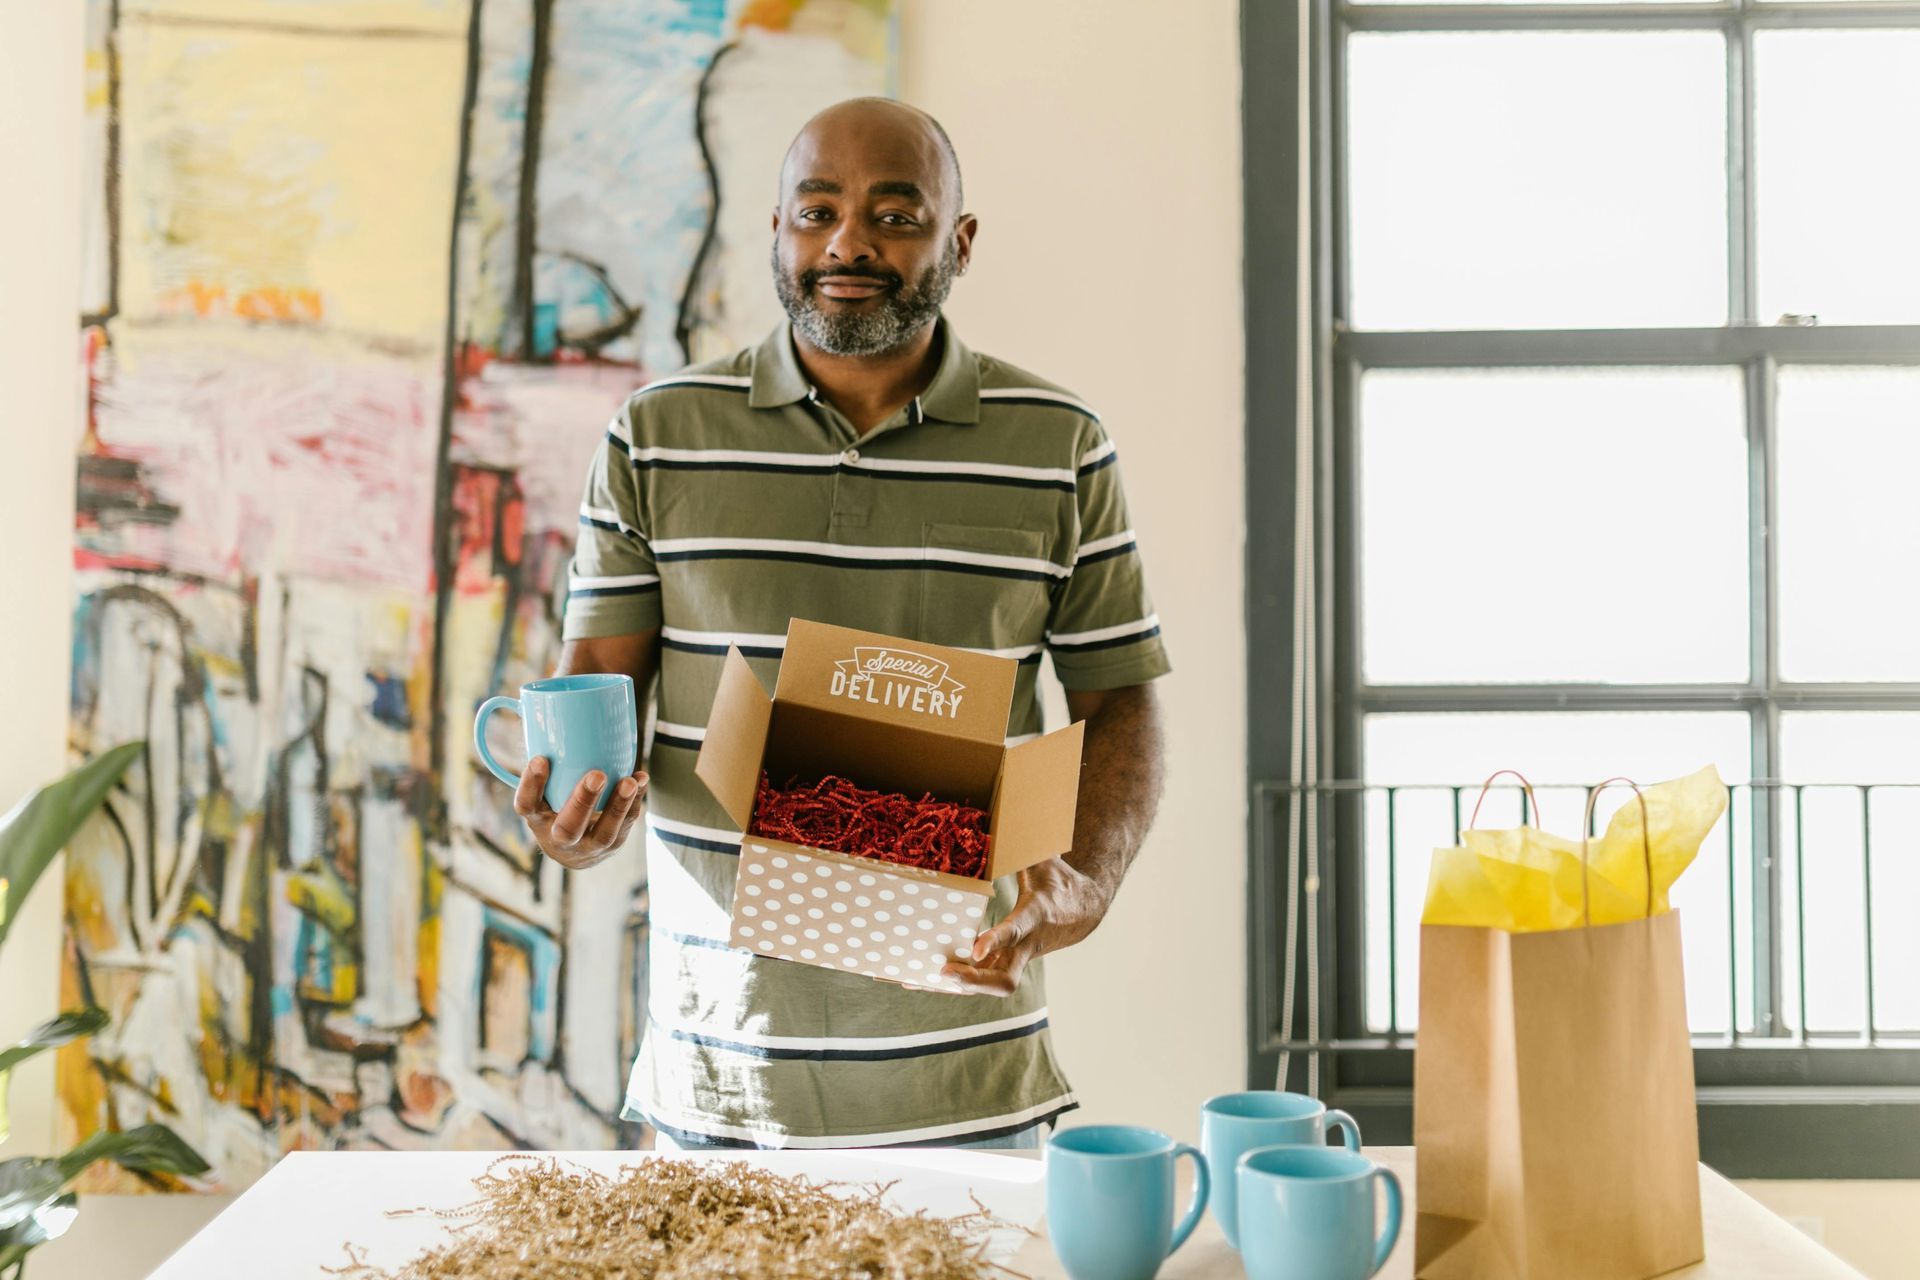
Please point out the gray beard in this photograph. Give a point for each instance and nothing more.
(884, 329)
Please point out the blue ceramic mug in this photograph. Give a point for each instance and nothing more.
(1110, 1200)
(1235, 1123)
(1307, 1213)
(579, 723)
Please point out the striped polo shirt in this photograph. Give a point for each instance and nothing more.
(730, 498)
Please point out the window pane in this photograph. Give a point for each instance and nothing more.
(1572, 750)
(1506, 180)
(1826, 823)
(1849, 449)
(1837, 192)
(1553, 525)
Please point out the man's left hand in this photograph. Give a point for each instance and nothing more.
(1057, 907)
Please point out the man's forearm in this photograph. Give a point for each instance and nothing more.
(1123, 770)
(1062, 900)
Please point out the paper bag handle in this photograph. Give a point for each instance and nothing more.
(1487, 786)
(1586, 840)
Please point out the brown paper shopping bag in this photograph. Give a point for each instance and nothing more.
(1554, 1122)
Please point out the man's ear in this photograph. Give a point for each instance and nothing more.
(776, 220)
(964, 229)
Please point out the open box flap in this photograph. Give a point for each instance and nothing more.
(892, 681)
(1034, 805)
(729, 760)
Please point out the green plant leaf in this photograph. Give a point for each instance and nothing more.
(49, 1222)
(152, 1148)
(41, 825)
(27, 1183)
(70, 1025)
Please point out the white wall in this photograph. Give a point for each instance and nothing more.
(1101, 145)
(118, 1236)
(1873, 1225)
(40, 66)
(39, 367)
(1101, 149)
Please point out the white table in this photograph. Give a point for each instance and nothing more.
(1745, 1241)
(311, 1203)
(308, 1206)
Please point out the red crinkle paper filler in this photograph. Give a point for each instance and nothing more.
(833, 813)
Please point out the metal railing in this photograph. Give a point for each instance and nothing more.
(1842, 974)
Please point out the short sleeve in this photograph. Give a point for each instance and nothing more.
(1103, 633)
(613, 587)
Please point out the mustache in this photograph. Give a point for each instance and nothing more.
(812, 276)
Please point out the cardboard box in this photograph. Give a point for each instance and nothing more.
(894, 715)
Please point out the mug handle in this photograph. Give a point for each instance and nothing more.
(487, 708)
(1383, 1247)
(1202, 1186)
(1349, 1128)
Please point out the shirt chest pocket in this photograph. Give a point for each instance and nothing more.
(985, 586)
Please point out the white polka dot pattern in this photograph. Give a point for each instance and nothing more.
(883, 923)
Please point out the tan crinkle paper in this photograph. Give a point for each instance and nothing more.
(665, 1219)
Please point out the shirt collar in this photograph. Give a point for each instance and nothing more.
(952, 396)
(954, 393)
(777, 376)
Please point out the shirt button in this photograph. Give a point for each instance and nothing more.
(851, 455)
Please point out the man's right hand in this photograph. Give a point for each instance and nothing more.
(576, 836)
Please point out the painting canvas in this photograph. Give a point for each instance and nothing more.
(363, 281)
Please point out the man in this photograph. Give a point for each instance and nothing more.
(850, 470)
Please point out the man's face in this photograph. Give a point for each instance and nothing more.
(865, 247)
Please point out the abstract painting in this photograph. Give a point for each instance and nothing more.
(364, 280)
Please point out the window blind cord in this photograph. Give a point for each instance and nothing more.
(1303, 809)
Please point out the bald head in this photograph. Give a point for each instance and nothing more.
(879, 134)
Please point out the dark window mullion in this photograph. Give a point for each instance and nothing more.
(1341, 504)
(1768, 976)
(1741, 296)
(1571, 698)
(1497, 17)
(1683, 16)
(1348, 716)
(1455, 698)
(1333, 235)
(1597, 348)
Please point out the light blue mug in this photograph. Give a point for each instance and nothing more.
(1235, 1123)
(1110, 1200)
(1307, 1213)
(579, 723)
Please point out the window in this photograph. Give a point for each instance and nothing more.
(1604, 465)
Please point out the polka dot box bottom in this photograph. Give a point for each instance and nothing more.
(898, 924)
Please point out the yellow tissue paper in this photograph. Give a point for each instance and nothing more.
(1527, 881)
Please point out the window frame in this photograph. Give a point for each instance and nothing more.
(1804, 1106)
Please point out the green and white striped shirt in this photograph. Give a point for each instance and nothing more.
(730, 498)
